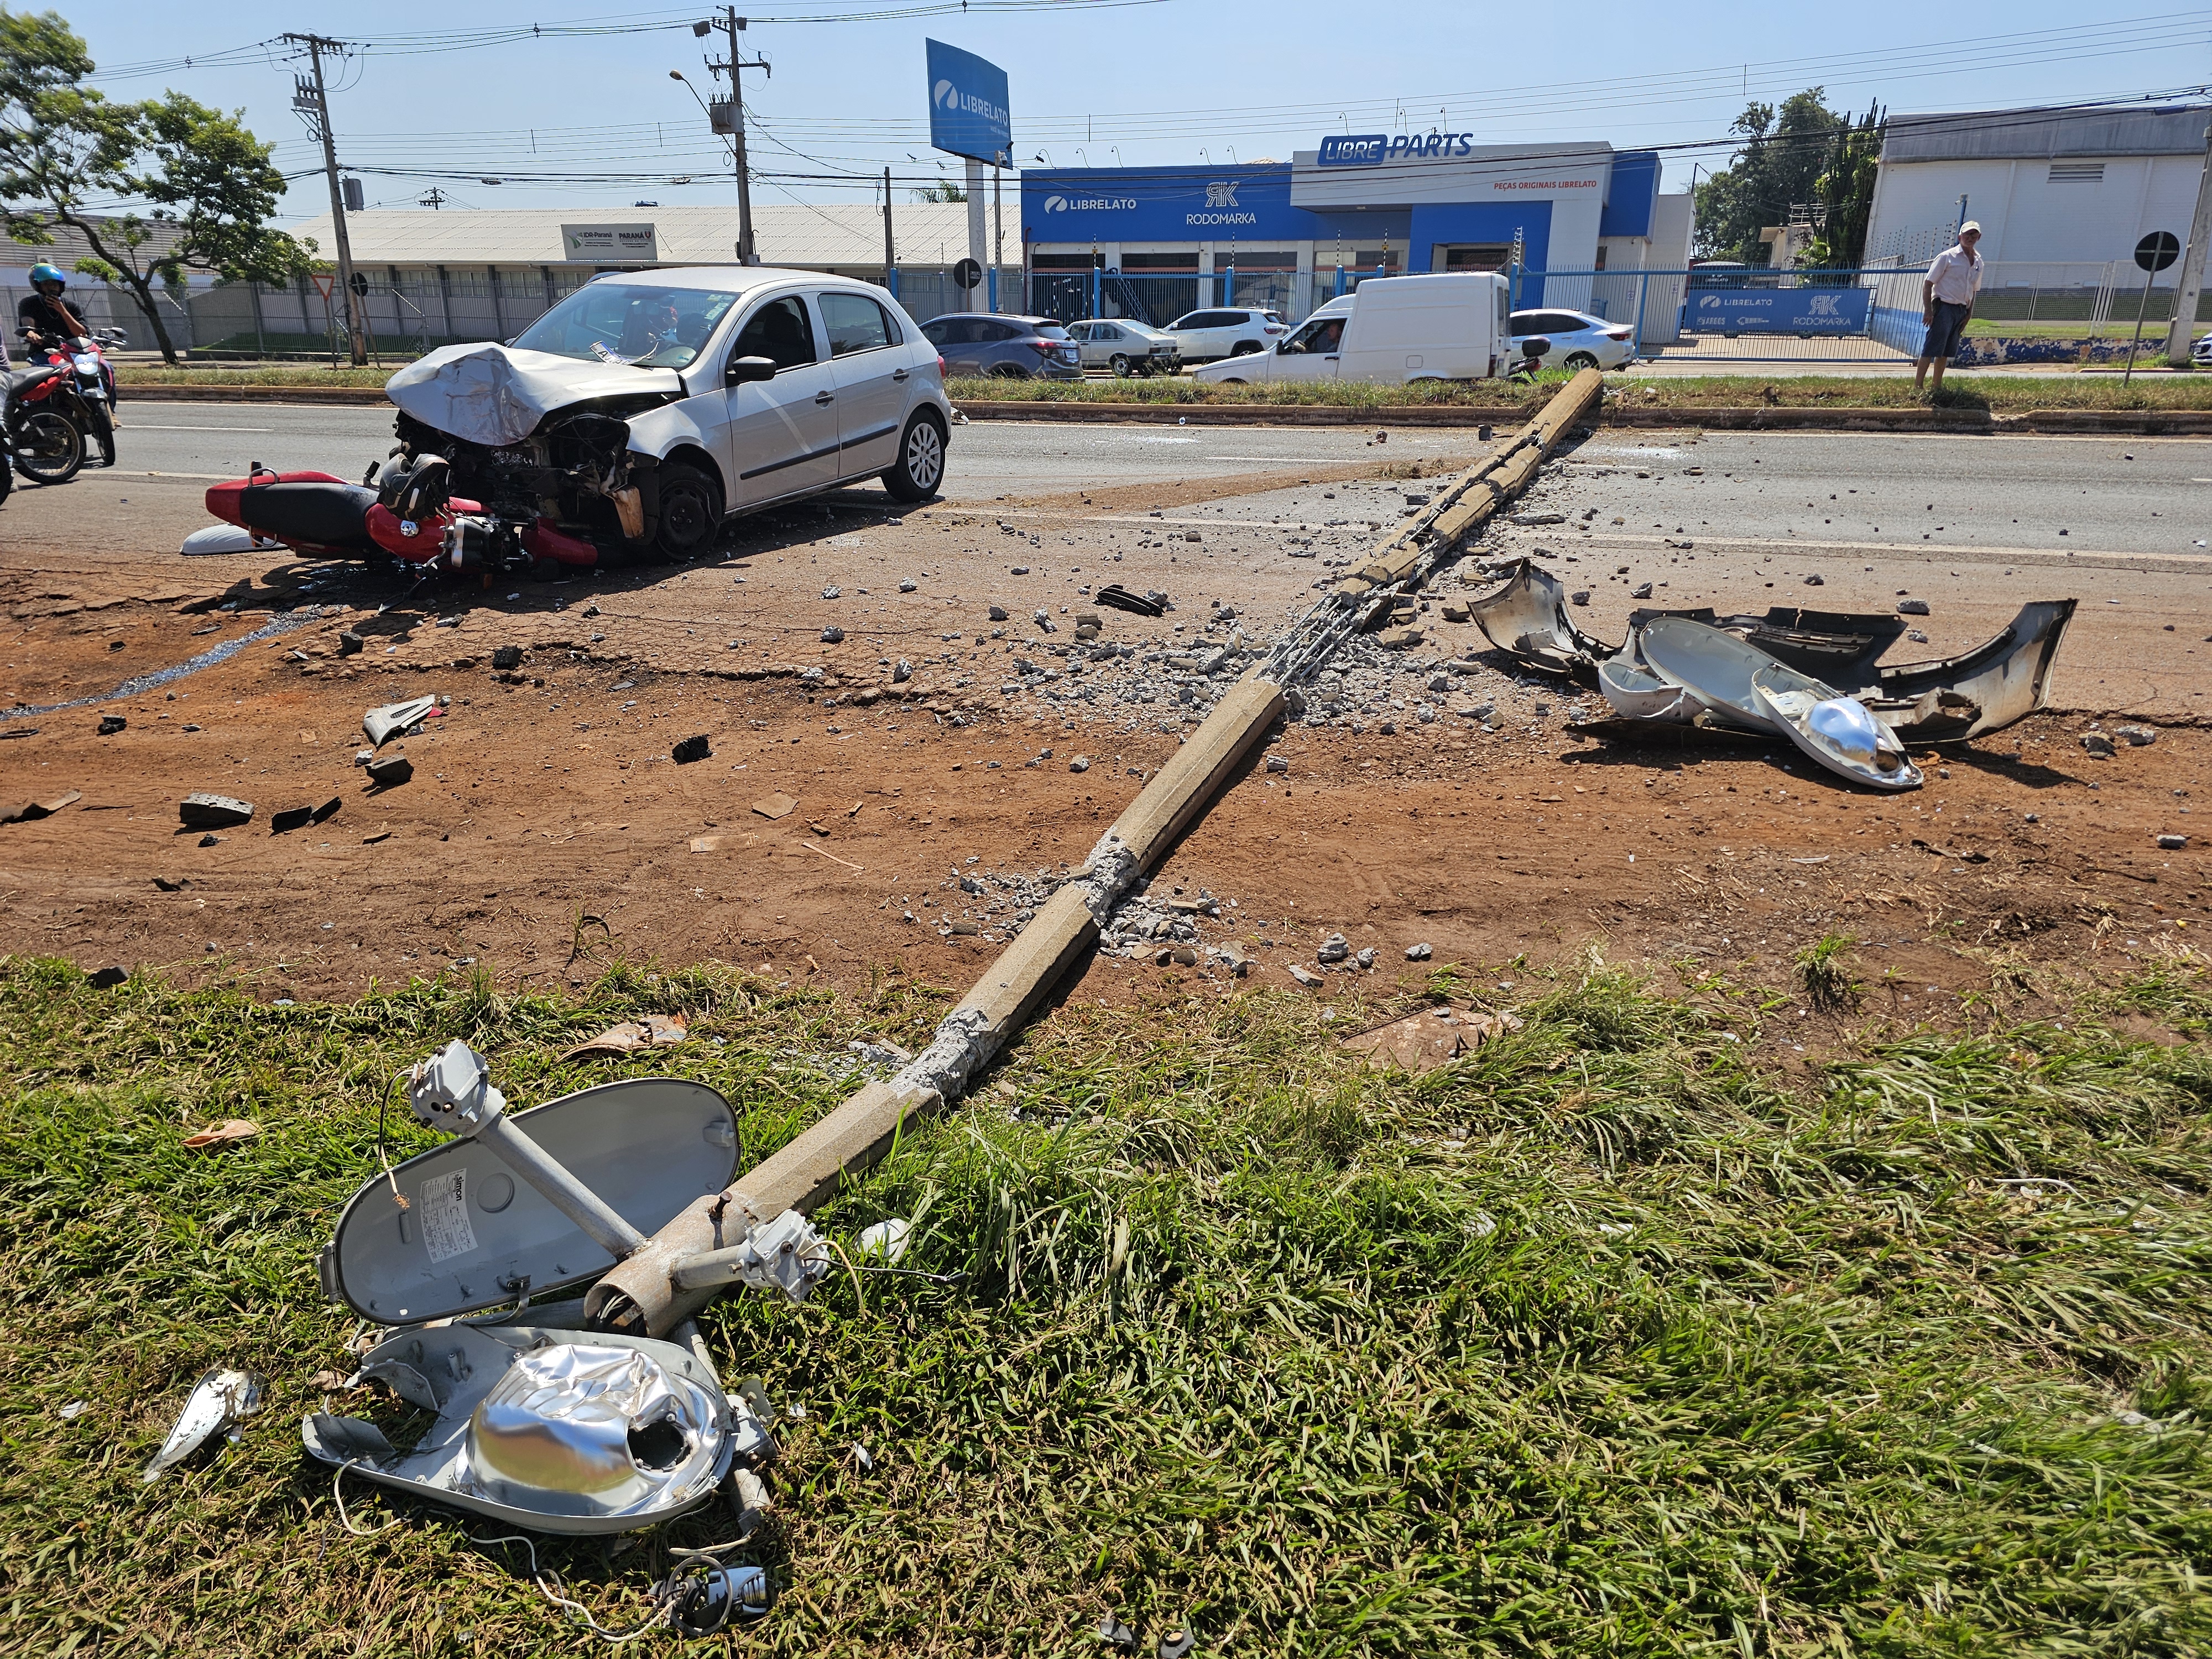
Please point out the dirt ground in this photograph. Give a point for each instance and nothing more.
(547, 827)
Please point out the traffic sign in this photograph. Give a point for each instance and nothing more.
(2157, 251)
(324, 283)
(359, 285)
(967, 274)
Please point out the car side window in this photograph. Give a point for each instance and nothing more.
(1524, 322)
(780, 331)
(853, 323)
(1079, 330)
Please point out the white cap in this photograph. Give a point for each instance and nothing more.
(1973, 225)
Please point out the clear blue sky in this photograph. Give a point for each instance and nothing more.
(1180, 81)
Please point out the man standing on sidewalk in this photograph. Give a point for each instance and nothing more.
(1946, 299)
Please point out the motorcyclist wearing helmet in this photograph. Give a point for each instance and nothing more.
(45, 319)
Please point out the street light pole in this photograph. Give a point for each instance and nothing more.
(314, 97)
(732, 26)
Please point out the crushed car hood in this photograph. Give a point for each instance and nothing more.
(496, 395)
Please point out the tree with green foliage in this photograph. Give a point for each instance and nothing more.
(945, 192)
(208, 180)
(1801, 154)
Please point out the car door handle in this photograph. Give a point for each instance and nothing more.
(825, 397)
(900, 373)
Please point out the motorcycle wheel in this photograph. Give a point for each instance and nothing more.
(49, 449)
(102, 432)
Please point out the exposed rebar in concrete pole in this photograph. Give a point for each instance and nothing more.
(2191, 281)
(639, 1295)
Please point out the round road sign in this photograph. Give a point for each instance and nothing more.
(967, 274)
(2157, 251)
(359, 285)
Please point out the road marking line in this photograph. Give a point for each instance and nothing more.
(140, 426)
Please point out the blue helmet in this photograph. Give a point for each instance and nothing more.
(43, 272)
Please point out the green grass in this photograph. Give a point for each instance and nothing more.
(1619, 1337)
(132, 374)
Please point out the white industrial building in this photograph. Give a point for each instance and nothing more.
(2051, 188)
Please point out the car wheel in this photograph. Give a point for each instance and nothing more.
(1579, 361)
(1120, 365)
(690, 512)
(1245, 348)
(920, 468)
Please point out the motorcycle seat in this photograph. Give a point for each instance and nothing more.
(333, 515)
(18, 380)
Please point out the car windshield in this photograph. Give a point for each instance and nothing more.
(1052, 331)
(630, 323)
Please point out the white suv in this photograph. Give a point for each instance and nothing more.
(731, 387)
(1224, 331)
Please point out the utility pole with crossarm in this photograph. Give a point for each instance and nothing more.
(312, 98)
(730, 117)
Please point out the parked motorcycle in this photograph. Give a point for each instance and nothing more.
(45, 443)
(1533, 350)
(91, 384)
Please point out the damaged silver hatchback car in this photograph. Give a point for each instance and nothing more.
(647, 405)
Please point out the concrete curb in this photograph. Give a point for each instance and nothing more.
(2149, 422)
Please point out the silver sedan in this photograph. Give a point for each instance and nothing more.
(1124, 347)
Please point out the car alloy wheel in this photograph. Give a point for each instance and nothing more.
(1120, 364)
(920, 468)
(1581, 360)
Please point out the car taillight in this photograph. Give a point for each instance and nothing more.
(1617, 333)
(1043, 347)
(940, 367)
(1273, 328)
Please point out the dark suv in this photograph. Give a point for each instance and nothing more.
(1012, 348)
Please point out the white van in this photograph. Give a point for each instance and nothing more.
(1450, 327)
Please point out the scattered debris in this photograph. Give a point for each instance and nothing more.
(1912, 607)
(2097, 743)
(887, 1240)
(506, 657)
(111, 724)
(75, 1409)
(1080, 764)
(227, 1132)
(654, 1032)
(1434, 1036)
(218, 1401)
(778, 805)
(31, 811)
(1116, 1634)
(107, 979)
(691, 749)
(2172, 843)
(833, 636)
(1419, 952)
(203, 810)
(1279, 763)
(394, 719)
(1334, 948)
(299, 817)
(1118, 598)
(1306, 977)
(2137, 737)
(1178, 1646)
(390, 771)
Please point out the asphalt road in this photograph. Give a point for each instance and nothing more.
(988, 460)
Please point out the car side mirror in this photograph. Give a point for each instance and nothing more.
(742, 369)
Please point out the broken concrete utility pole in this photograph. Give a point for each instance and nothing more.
(640, 1294)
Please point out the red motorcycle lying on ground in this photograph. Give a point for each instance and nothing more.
(411, 515)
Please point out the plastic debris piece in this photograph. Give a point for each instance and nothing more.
(218, 1401)
(384, 723)
(886, 1240)
(227, 1132)
(390, 771)
(654, 1032)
